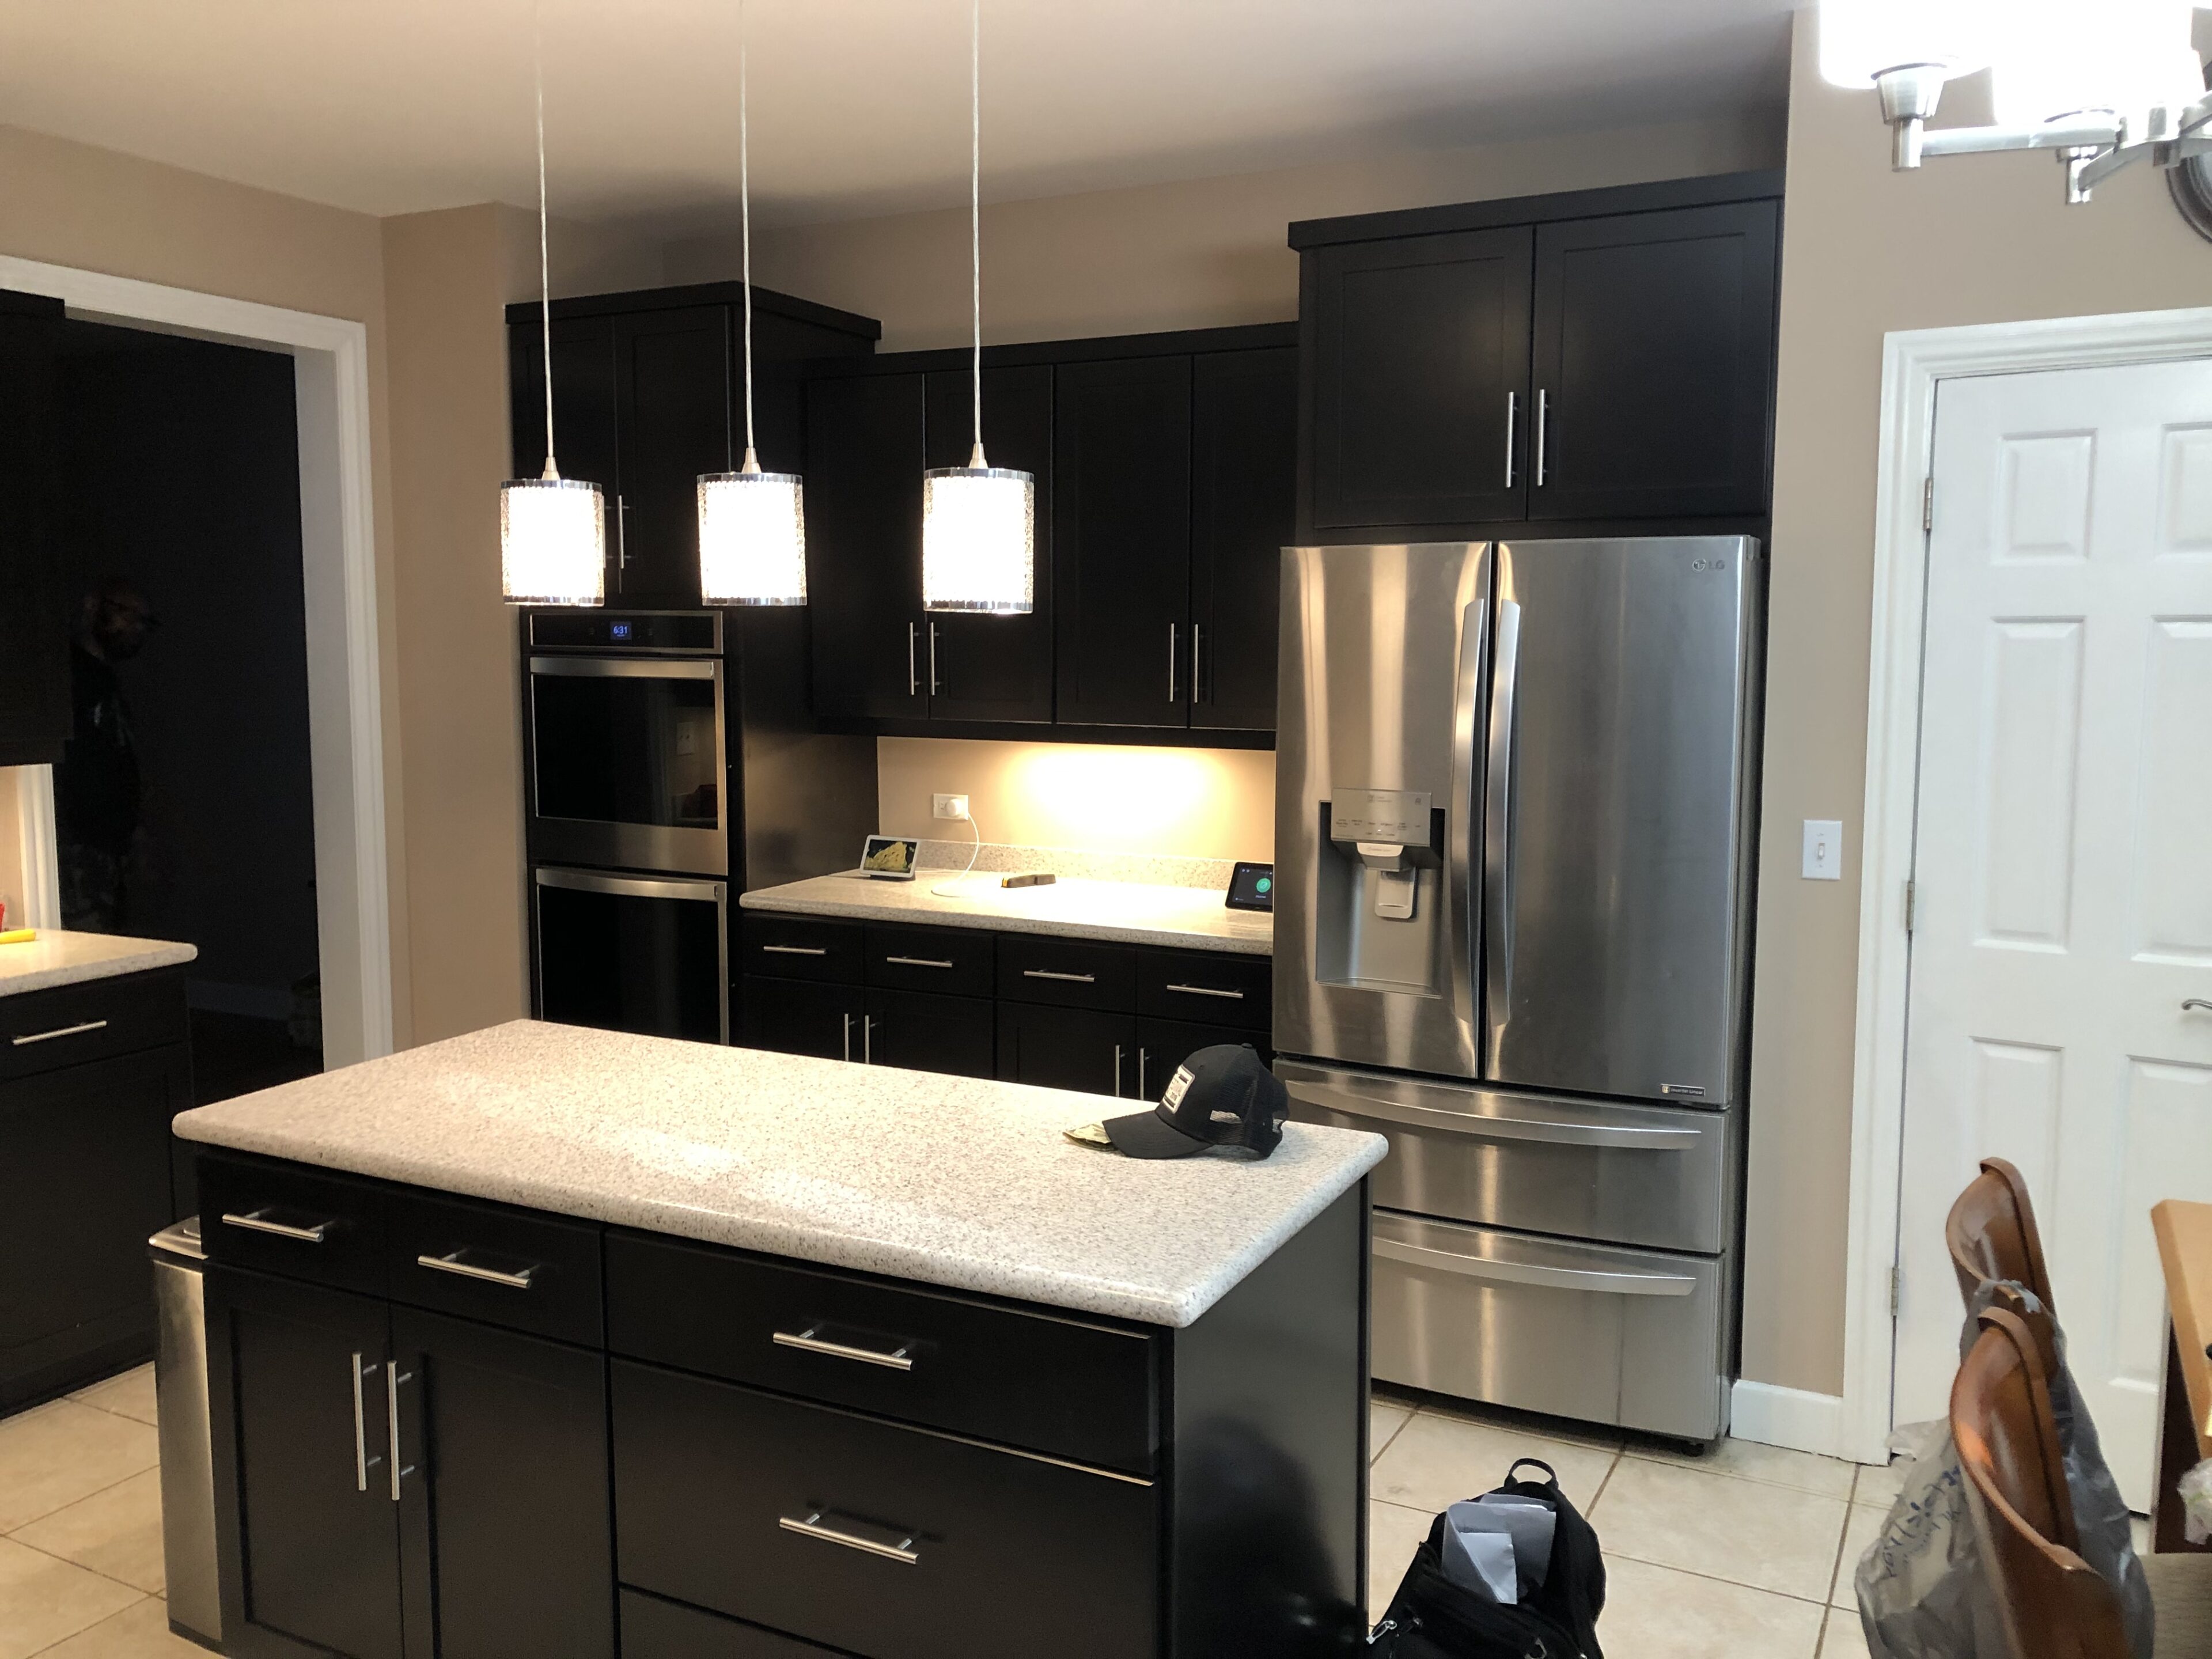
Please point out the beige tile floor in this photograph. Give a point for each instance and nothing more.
(1745, 1552)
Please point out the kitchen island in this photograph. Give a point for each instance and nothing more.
(580, 1343)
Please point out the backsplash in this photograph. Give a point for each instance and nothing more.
(1152, 869)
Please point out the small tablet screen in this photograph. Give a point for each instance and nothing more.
(890, 857)
(1251, 887)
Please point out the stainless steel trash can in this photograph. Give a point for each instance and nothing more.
(181, 1388)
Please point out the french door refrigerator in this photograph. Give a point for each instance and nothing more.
(1514, 802)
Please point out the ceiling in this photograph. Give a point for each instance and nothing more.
(859, 105)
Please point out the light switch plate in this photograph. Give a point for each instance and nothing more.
(1824, 849)
(950, 806)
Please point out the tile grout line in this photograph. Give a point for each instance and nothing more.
(95, 1625)
(50, 1555)
(1715, 1578)
(84, 1497)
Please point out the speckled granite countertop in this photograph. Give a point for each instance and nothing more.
(56, 957)
(1125, 912)
(948, 1180)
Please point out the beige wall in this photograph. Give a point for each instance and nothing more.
(1199, 254)
(12, 853)
(1969, 240)
(1103, 798)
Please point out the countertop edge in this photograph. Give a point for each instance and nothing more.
(157, 954)
(677, 1221)
(860, 910)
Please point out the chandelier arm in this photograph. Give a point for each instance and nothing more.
(2080, 132)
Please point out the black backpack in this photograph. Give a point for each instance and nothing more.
(1433, 1618)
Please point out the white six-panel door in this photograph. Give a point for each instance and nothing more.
(2062, 861)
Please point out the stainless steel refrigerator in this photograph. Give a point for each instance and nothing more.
(1515, 803)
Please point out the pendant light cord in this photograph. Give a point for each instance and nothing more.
(975, 208)
(544, 263)
(745, 220)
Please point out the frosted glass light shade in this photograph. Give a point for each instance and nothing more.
(2058, 57)
(979, 540)
(552, 542)
(752, 539)
(1860, 39)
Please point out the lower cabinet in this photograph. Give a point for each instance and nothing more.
(1083, 1048)
(798, 1016)
(919, 1030)
(395, 1483)
(1164, 1044)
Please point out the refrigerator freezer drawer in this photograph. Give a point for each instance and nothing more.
(1654, 1176)
(1629, 1337)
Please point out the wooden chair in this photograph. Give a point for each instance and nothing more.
(1991, 1235)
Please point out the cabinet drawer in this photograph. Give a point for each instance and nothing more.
(956, 961)
(1067, 972)
(1227, 990)
(880, 1540)
(1056, 1386)
(45, 1030)
(482, 1262)
(655, 1629)
(301, 1224)
(799, 947)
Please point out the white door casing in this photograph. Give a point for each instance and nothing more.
(2063, 859)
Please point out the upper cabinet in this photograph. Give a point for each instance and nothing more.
(1602, 359)
(34, 667)
(1243, 478)
(864, 463)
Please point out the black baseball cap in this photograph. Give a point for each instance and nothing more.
(1220, 1096)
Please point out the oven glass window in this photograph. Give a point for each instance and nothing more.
(627, 750)
(622, 962)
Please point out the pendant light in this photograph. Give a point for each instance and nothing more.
(752, 525)
(552, 530)
(978, 521)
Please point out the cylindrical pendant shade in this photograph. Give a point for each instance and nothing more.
(752, 539)
(2055, 58)
(552, 542)
(1860, 38)
(979, 540)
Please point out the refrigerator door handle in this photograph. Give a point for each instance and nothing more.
(1528, 1272)
(1498, 829)
(1463, 902)
(1475, 1126)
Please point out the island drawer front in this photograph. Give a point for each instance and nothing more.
(653, 1628)
(1067, 972)
(799, 947)
(1196, 985)
(45, 1030)
(957, 961)
(526, 1272)
(296, 1222)
(803, 1518)
(1060, 1386)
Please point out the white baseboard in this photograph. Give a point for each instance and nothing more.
(1776, 1416)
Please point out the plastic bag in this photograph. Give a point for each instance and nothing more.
(2196, 1490)
(1923, 1593)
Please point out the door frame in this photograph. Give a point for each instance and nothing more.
(331, 380)
(1914, 365)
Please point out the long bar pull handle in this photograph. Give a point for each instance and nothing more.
(920, 962)
(58, 1031)
(1117, 1070)
(1513, 432)
(1197, 638)
(867, 1040)
(622, 539)
(1175, 656)
(1543, 437)
(1479, 1126)
(1498, 828)
(256, 1221)
(913, 672)
(1142, 1093)
(795, 950)
(1071, 979)
(359, 1434)
(2196, 1005)
(1527, 1273)
(1205, 991)
(900, 1358)
(848, 1019)
(935, 689)
(519, 1280)
(393, 1376)
(891, 1544)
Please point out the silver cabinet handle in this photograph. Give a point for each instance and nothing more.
(794, 951)
(889, 1542)
(59, 1032)
(1173, 655)
(848, 1020)
(1512, 427)
(867, 1040)
(1197, 635)
(1612, 1137)
(1207, 991)
(919, 962)
(1526, 1273)
(913, 673)
(517, 1280)
(900, 1358)
(1543, 436)
(622, 539)
(1142, 1056)
(393, 1376)
(1117, 1070)
(935, 689)
(359, 1434)
(2190, 1005)
(1069, 979)
(256, 1221)
(1498, 826)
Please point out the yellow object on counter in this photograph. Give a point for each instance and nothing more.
(19, 936)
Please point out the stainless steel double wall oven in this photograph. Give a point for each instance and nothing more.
(1515, 814)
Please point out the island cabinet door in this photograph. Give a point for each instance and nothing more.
(879, 1540)
(309, 1554)
(507, 1544)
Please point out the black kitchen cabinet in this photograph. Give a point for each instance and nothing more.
(926, 1032)
(1090, 1049)
(34, 624)
(507, 1544)
(864, 464)
(981, 668)
(1244, 501)
(1420, 378)
(1164, 1044)
(303, 1476)
(798, 1016)
(1655, 339)
(1121, 539)
(672, 415)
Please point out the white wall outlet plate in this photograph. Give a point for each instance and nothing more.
(1824, 849)
(950, 806)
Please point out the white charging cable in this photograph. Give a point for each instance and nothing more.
(944, 890)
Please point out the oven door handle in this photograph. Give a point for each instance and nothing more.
(590, 881)
(1614, 1137)
(627, 668)
(1528, 1272)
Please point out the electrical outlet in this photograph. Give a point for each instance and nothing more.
(950, 806)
